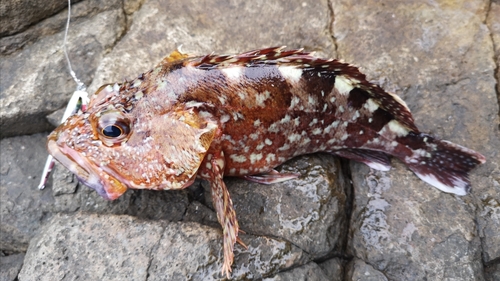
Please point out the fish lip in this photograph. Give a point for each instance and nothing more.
(83, 169)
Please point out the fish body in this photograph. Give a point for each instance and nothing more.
(243, 115)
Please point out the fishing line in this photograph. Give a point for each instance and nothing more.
(78, 101)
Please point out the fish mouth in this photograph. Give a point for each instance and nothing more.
(89, 174)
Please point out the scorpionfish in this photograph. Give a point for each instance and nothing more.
(243, 115)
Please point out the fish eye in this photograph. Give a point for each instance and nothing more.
(112, 127)
(112, 131)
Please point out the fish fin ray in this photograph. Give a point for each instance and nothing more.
(443, 164)
(374, 159)
(272, 177)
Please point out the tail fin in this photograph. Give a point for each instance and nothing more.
(443, 164)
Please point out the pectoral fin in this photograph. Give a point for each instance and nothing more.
(272, 177)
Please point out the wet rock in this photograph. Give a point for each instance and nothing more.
(10, 266)
(35, 80)
(308, 211)
(310, 271)
(359, 270)
(97, 247)
(445, 74)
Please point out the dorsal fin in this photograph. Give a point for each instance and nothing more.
(305, 60)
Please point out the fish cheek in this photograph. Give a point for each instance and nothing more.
(174, 148)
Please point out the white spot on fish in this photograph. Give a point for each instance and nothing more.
(314, 121)
(343, 84)
(285, 119)
(397, 128)
(139, 95)
(255, 157)
(260, 146)
(317, 131)
(270, 157)
(268, 141)
(260, 98)
(256, 123)
(233, 73)
(254, 136)
(286, 146)
(242, 95)
(294, 137)
(371, 105)
(291, 73)
(238, 158)
(341, 108)
(295, 100)
(224, 118)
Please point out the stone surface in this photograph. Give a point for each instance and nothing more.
(35, 80)
(333, 269)
(403, 228)
(440, 62)
(441, 57)
(110, 247)
(359, 270)
(10, 266)
(24, 208)
(17, 15)
(310, 272)
(308, 211)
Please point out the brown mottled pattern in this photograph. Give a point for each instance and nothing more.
(242, 115)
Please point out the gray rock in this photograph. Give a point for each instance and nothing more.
(492, 272)
(309, 272)
(359, 270)
(10, 266)
(92, 247)
(308, 211)
(108, 247)
(445, 73)
(21, 202)
(333, 269)
(410, 231)
(35, 81)
(17, 15)
(24, 208)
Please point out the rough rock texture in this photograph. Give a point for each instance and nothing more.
(441, 57)
(10, 266)
(35, 80)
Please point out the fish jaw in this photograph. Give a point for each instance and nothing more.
(85, 171)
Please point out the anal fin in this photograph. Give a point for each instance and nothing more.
(374, 159)
(272, 177)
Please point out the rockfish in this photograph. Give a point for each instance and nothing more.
(243, 115)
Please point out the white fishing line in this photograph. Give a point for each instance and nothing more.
(80, 94)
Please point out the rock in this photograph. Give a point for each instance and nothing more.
(445, 74)
(310, 272)
(24, 208)
(17, 15)
(10, 266)
(109, 247)
(308, 211)
(359, 270)
(21, 203)
(92, 247)
(411, 231)
(36, 81)
(333, 269)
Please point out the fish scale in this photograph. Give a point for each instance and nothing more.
(243, 115)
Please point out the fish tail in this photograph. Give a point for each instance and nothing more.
(442, 164)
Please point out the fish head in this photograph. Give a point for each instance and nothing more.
(118, 144)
